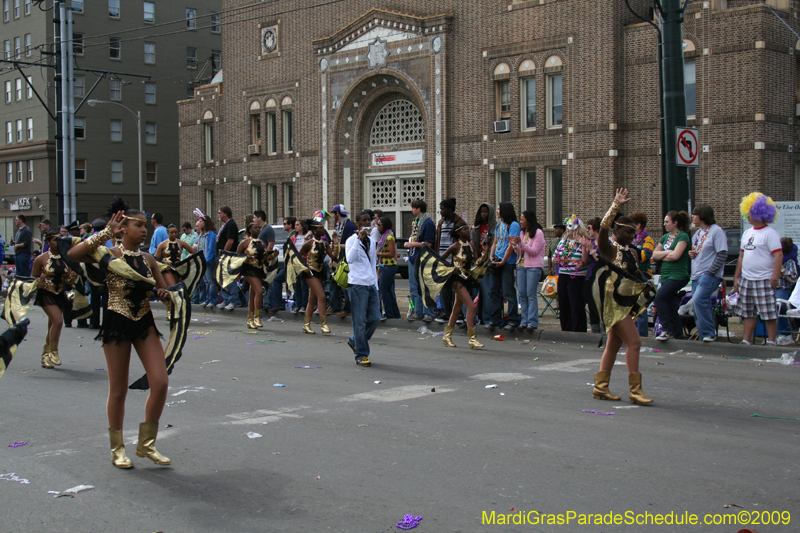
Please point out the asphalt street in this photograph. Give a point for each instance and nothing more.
(351, 449)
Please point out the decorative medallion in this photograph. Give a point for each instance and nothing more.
(269, 40)
(377, 54)
(437, 44)
(323, 64)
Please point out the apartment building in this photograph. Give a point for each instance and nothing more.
(176, 45)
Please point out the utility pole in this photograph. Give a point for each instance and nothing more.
(675, 193)
(57, 11)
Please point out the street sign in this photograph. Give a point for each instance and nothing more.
(688, 147)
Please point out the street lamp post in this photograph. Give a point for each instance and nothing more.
(138, 116)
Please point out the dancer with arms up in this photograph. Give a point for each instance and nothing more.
(130, 276)
(620, 294)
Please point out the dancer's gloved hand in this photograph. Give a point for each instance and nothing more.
(162, 294)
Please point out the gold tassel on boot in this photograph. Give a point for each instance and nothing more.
(118, 457)
(473, 339)
(307, 325)
(257, 318)
(46, 363)
(447, 340)
(147, 444)
(636, 394)
(600, 390)
(54, 353)
(324, 321)
(250, 323)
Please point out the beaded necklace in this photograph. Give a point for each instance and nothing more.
(669, 241)
(698, 247)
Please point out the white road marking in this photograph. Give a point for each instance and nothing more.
(265, 415)
(396, 394)
(501, 376)
(568, 366)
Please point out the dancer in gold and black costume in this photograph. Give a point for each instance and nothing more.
(131, 277)
(169, 253)
(464, 275)
(311, 269)
(619, 294)
(52, 274)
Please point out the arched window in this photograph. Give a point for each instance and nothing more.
(398, 122)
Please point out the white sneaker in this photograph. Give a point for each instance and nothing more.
(230, 306)
(664, 336)
(441, 321)
(710, 339)
(220, 305)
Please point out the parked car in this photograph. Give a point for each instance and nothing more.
(734, 236)
(402, 258)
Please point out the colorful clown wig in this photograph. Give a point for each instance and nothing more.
(759, 207)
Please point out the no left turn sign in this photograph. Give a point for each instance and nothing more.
(688, 147)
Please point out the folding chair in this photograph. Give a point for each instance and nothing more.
(550, 302)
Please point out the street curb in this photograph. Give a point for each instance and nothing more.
(721, 347)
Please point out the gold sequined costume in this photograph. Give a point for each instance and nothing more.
(52, 292)
(315, 260)
(128, 316)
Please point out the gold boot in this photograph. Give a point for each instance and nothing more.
(54, 354)
(636, 394)
(46, 362)
(257, 318)
(118, 457)
(307, 325)
(447, 340)
(600, 390)
(324, 321)
(250, 323)
(147, 444)
(473, 339)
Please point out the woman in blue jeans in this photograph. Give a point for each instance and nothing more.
(530, 246)
(387, 264)
(206, 243)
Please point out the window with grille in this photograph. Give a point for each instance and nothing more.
(150, 53)
(398, 122)
(29, 88)
(215, 26)
(30, 169)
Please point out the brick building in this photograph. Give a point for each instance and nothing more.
(375, 103)
(173, 44)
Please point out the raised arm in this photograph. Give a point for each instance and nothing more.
(82, 252)
(603, 244)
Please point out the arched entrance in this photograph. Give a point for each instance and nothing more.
(396, 130)
(382, 141)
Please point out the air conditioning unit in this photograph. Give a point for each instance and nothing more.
(502, 126)
(253, 149)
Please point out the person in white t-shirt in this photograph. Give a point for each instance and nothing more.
(758, 270)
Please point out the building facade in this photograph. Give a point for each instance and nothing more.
(549, 104)
(173, 44)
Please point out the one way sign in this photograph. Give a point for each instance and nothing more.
(688, 147)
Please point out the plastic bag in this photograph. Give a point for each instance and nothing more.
(732, 300)
(550, 287)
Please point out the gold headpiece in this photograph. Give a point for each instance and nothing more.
(625, 225)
